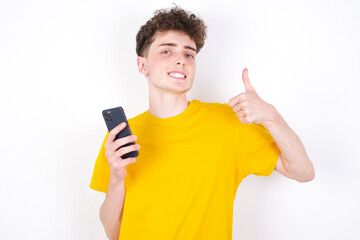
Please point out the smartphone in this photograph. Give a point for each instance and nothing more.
(113, 117)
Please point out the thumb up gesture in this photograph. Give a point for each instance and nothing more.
(249, 107)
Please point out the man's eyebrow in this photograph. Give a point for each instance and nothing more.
(175, 45)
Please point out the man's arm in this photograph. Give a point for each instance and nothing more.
(293, 161)
(112, 209)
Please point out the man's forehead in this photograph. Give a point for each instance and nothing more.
(173, 37)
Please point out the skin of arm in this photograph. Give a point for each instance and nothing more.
(293, 161)
(112, 209)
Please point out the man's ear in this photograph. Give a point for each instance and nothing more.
(142, 66)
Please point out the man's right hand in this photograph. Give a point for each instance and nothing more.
(114, 153)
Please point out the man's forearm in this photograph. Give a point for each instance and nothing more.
(293, 154)
(112, 208)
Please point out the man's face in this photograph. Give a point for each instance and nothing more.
(170, 64)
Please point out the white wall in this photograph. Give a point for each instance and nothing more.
(62, 62)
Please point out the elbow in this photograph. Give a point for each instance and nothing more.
(308, 176)
(307, 179)
(304, 174)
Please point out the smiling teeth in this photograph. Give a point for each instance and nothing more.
(177, 75)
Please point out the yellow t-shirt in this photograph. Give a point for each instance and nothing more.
(185, 179)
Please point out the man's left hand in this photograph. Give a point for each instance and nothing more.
(249, 107)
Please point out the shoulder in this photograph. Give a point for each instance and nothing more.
(137, 119)
(220, 110)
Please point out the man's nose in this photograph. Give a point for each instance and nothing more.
(180, 60)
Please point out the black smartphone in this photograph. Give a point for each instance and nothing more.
(113, 117)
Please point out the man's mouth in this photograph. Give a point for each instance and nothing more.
(177, 75)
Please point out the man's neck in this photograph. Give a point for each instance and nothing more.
(167, 105)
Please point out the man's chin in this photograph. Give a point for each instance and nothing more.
(174, 89)
(178, 91)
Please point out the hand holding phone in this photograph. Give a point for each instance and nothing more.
(120, 144)
(113, 117)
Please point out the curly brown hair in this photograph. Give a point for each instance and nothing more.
(173, 19)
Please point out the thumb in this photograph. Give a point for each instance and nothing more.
(246, 80)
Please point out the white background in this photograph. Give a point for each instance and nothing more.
(63, 62)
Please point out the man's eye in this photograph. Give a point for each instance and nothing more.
(166, 52)
(189, 55)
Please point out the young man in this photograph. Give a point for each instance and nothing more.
(193, 154)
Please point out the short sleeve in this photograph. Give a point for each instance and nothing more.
(258, 151)
(101, 173)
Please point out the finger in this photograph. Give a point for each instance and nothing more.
(124, 150)
(241, 114)
(118, 144)
(240, 106)
(237, 99)
(245, 120)
(127, 161)
(246, 80)
(237, 108)
(122, 141)
(113, 133)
